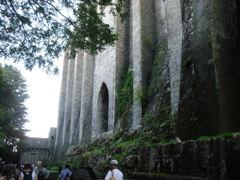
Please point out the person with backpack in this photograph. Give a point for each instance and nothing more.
(84, 173)
(114, 173)
(66, 173)
(41, 172)
(27, 173)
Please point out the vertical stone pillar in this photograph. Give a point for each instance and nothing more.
(225, 49)
(174, 30)
(76, 102)
(198, 89)
(161, 22)
(121, 60)
(142, 48)
(68, 101)
(86, 99)
(61, 106)
(209, 99)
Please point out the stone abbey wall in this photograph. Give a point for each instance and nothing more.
(39, 149)
(216, 158)
(185, 50)
(36, 151)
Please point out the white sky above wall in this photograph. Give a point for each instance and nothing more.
(43, 102)
(42, 105)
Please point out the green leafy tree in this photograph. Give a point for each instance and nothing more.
(37, 31)
(13, 93)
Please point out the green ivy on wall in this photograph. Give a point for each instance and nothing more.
(142, 96)
(187, 62)
(125, 91)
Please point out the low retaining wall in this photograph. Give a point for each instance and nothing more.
(216, 158)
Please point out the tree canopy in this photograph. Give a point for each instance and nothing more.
(36, 32)
(13, 93)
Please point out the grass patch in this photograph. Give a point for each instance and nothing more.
(220, 135)
(161, 143)
(135, 141)
(96, 151)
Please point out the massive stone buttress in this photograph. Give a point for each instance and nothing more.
(76, 102)
(68, 102)
(87, 99)
(185, 50)
(142, 44)
(62, 98)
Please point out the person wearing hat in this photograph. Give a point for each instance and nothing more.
(114, 172)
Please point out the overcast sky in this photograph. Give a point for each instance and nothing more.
(43, 102)
(42, 105)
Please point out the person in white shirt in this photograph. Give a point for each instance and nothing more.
(114, 172)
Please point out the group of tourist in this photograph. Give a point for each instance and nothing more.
(27, 172)
(11, 172)
(86, 173)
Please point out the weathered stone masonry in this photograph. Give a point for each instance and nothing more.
(204, 93)
(39, 149)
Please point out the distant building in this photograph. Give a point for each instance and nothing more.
(39, 149)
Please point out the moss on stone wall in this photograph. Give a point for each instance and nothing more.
(157, 117)
(138, 148)
(125, 92)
